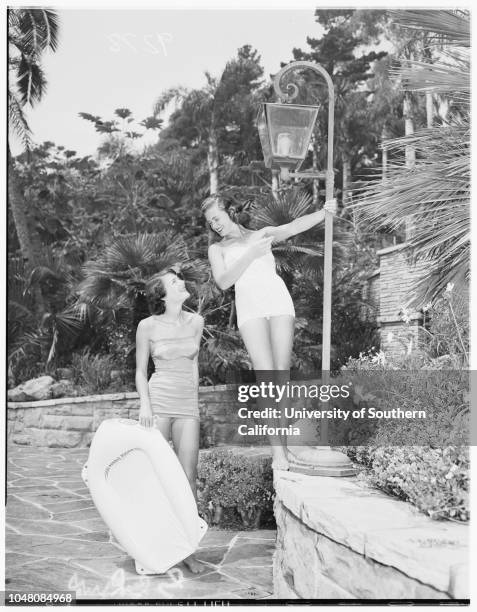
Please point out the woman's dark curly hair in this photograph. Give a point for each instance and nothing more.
(156, 292)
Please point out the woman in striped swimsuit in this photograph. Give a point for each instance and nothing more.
(171, 336)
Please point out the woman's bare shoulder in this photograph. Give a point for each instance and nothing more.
(196, 318)
(216, 247)
(145, 324)
(144, 327)
(149, 327)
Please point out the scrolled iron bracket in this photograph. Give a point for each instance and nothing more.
(283, 96)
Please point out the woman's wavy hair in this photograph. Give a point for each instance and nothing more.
(233, 210)
(156, 291)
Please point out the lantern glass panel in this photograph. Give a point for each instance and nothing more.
(290, 129)
(264, 136)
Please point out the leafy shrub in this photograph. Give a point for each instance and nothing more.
(448, 326)
(121, 346)
(235, 490)
(221, 354)
(434, 476)
(435, 480)
(25, 363)
(92, 372)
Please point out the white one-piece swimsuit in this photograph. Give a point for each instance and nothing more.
(259, 292)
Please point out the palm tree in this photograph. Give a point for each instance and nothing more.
(433, 195)
(115, 282)
(205, 116)
(198, 105)
(30, 33)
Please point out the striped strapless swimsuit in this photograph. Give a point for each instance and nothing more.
(173, 388)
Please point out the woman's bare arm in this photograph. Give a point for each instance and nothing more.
(226, 276)
(142, 359)
(297, 226)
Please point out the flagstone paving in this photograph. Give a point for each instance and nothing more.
(56, 540)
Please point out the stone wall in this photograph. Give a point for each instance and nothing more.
(71, 422)
(339, 539)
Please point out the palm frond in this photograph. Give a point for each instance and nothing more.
(39, 28)
(61, 329)
(452, 26)
(177, 94)
(288, 249)
(439, 77)
(30, 33)
(22, 344)
(119, 275)
(97, 289)
(287, 206)
(433, 198)
(31, 81)
(17, 120)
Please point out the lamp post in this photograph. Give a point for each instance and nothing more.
(285, 131)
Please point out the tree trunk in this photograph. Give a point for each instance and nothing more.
(30, 246)
(213, 162)
(429, 108)
(346, 161)
(384, 135)
(409, 128)
(429, 95)
(16, 201)
(410, 150)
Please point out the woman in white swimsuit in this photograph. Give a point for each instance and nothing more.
(265, 312)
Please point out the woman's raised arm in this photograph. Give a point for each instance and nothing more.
(297, 226)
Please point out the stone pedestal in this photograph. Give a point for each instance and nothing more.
(314, 459)
(320, 461)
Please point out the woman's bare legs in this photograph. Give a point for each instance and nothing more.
(185, 438)
(257, 338)
(282, 333)
(163, 424)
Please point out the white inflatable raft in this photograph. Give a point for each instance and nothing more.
(143, 495)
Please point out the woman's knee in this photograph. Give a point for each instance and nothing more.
(282, 366)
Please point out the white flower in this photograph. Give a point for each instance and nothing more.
(405, 316)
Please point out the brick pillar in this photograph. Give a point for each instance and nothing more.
(370, 295)
(397, 279)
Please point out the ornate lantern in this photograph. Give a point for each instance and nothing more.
(285, 132)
